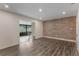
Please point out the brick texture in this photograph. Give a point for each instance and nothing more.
(61, 28)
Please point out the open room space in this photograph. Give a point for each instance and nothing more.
(39, 29)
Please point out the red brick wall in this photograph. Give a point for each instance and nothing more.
(61, 28)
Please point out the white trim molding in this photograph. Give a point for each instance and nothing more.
(69, 40)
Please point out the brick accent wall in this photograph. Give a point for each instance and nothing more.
(61, 28)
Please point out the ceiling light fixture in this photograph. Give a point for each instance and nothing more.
(63, 12)
(40, 18)
(40, 10)
(6, 6)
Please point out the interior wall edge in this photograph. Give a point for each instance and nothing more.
(59, 39)
(59, 18)
(9, 46)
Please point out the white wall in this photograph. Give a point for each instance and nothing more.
(25, 22)
(77, 29)
(9, 30)
(37, 29)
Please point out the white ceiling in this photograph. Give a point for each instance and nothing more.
(50, 10)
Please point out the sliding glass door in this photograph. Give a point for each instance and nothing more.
(25, 30)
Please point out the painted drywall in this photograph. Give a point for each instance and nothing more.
(25, 22)
(37, 29)
(77, 30)
(64, 28)
(9, 30)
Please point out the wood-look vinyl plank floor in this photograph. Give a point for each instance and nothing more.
(42, 47)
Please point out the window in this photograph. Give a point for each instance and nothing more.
(25, 30)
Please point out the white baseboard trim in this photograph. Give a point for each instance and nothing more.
(78, 50)
(6, 46)
(60, 39)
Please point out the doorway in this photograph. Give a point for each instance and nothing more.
(25, 31)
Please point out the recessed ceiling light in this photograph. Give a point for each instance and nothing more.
(6, 6)
(40, 10)
(40, 18)
(64, 12)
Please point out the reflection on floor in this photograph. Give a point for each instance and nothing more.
(42, 47)
(25, 38)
